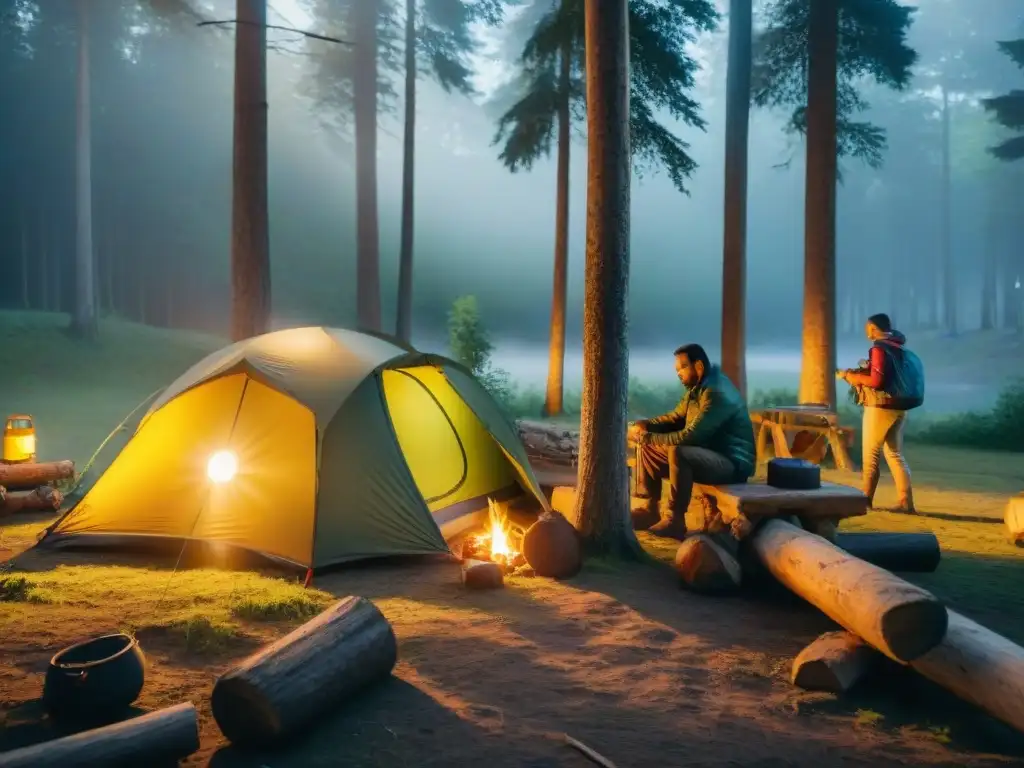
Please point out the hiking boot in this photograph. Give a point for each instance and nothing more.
(646, 515)
(672, 526)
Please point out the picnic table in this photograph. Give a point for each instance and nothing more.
(802, 431)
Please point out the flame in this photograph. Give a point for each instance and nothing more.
(499, 533)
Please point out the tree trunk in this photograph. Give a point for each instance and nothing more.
(949, 319)
(364, 102)
(84, 322)
(25, 301)
(602, 502)
(44, 266)
(817, 374)
(250, 238)
(737, 129)
(990, 275)
(404, 322)
(553, 401)
(1011, 291)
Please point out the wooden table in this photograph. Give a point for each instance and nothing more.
(785, 422)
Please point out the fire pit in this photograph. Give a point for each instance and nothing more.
(488, 556)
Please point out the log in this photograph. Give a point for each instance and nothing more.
(900, 619)
(706, 567)
(980, 667)
(827, 529)
(32, 475)
(156, 738)
(482, 574)
(283, 688)
(835, 662)
(43, 498)
(1014, 518)
(907, 552)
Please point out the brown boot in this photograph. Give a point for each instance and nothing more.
(671, 526)
(644, 515)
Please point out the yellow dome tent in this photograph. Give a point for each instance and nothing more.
(314, 446)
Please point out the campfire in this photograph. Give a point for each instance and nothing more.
(499, 543)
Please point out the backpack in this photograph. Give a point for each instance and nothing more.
(903, 387)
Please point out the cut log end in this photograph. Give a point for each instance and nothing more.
(914, 626)
(833, 663)
(705, 566)
(482, 574)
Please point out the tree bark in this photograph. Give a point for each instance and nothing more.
(84, 322)
(949, 318)
(900, 619)
(737, 129)
(250, 233)
(602, 502)
(817, 374)
(32, 475)
(155, 738)
(364, 102)
(280, 690)
(405, 261)
(553, 401)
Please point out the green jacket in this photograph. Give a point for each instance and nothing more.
(711, 415)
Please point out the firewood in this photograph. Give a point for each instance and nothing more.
(900, 619)
(980, 667)
(43, 498)
(835, 662)
(704, 566)
(32, 475)
(907, 552)
(156, 738)
(482, 574)
(280, 690)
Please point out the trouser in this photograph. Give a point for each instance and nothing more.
(882, 433)
(684, 465)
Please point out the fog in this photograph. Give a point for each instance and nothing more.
(161, 155)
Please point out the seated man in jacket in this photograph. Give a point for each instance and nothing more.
(707, 439)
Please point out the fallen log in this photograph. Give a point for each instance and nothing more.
(907, 552)
(900, 619)
(278, 691)
(32, 475)
(482, 574)
(43, 498)
(706, 567)
(980, 667)
(1014, 519)
(835, 662)
(156, 738)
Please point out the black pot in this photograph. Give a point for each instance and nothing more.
(95, 680)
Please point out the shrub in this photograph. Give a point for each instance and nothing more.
(1001, 429)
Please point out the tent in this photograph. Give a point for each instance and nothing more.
(313, 446)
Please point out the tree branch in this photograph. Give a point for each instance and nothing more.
(310, 35)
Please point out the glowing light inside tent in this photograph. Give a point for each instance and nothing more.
(222, 467)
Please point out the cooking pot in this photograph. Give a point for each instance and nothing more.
(95, 680)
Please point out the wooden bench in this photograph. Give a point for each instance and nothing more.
(805, 431)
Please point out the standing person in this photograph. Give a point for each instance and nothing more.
(708, 438)
(891, 384)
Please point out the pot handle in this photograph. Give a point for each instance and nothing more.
(78, 676)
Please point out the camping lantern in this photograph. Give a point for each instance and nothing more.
(19, 439)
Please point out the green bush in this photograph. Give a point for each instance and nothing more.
(1001, 429)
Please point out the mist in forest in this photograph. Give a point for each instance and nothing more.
(161, 135)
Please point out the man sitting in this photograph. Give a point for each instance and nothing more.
(707, 439)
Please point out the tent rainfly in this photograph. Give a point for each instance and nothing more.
(314, 446)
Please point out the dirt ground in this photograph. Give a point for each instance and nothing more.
(619, 658)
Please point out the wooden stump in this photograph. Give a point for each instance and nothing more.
(482, 574)
(907, 552)
(980, 667)
(44, 498)
(706, 567)
(900, 619)
(1014, 518)
(156, 738)
(32, 475)
(835, 662)
(280, 690)
(552, 547)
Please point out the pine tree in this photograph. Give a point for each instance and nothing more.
(1008, 109)
(549, 92)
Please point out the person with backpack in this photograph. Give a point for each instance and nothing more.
(890, 384)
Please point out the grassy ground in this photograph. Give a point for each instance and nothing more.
(618, 657)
